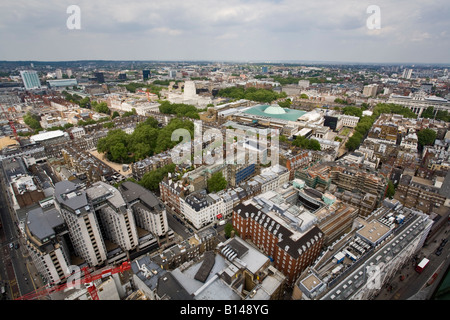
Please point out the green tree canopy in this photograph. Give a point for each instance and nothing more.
(426, 137)
(304, 96)
(217, 182)
(180, 109)
(146, 140)
(151, 179)
(390, 191)
(310, 144)
(254, 94)
(352, 111)
(32, 121)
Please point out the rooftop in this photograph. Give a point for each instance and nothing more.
(132, 192)
(47, 135)
(67, 194)
(275, 111)
(42, 224)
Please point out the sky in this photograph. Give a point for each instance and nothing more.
(398, 31)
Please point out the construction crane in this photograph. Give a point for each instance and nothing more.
(87, 280)
(11, 124)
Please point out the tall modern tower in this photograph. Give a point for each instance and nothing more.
(82, 222)
(30, 79)
(98, 220)
(146, 74)
(115, 218)
(149, 211)
(100, 77)
(189, 90)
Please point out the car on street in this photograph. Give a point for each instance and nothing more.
(438, 251)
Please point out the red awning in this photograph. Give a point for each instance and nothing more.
(219, 216)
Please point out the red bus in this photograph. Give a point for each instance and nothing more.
(422, 264)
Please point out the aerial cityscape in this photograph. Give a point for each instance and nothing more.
(193, 152)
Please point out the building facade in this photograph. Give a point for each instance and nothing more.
(82, 223)
(149, 211)
(290, 251)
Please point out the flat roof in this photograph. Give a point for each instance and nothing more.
(373, 231)
(42, 224)
(66, 192)
(311, 282)
(47, 135)
(353, 282)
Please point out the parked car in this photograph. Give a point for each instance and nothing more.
(438, 251)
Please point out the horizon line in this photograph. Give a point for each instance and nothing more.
(255, 61)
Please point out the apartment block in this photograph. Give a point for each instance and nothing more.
(294, 159)
(116, 219)
(149, 211)
(420, 193)
(46, 243)
(291, 250)
(381, 244)
(82, 223)
(171, 193)
(201, 209)
(155, 162)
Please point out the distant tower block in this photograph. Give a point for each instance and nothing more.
(189, 90)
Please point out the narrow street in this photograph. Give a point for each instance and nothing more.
(407, 283)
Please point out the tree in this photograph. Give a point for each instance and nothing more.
(309, 144)
(228, 229)
(129, 113)
(354, 141)
(151, 179)
(428, 113)
(390, 190)
(119, 152)
(115, 115)
(180, 109)
(426, 137)
(254, 94)
(217, 182)
(314, 145)
(352, 111)
(285, 104)
(32, 121)
(340, 101)
(304, 96)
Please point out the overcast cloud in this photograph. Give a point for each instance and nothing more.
(269, 30)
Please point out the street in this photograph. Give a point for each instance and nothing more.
(14, 265)
(414, 285)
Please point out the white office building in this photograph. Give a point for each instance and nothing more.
(116, 218)
(45, 243)
(201, 209)
(30, 79)
(149, 211)
(82, 223)
(349, 121)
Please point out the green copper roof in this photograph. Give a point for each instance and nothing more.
(275, 111)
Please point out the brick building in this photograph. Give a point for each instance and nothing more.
(292, 251)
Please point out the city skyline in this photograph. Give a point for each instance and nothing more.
(254, 30)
